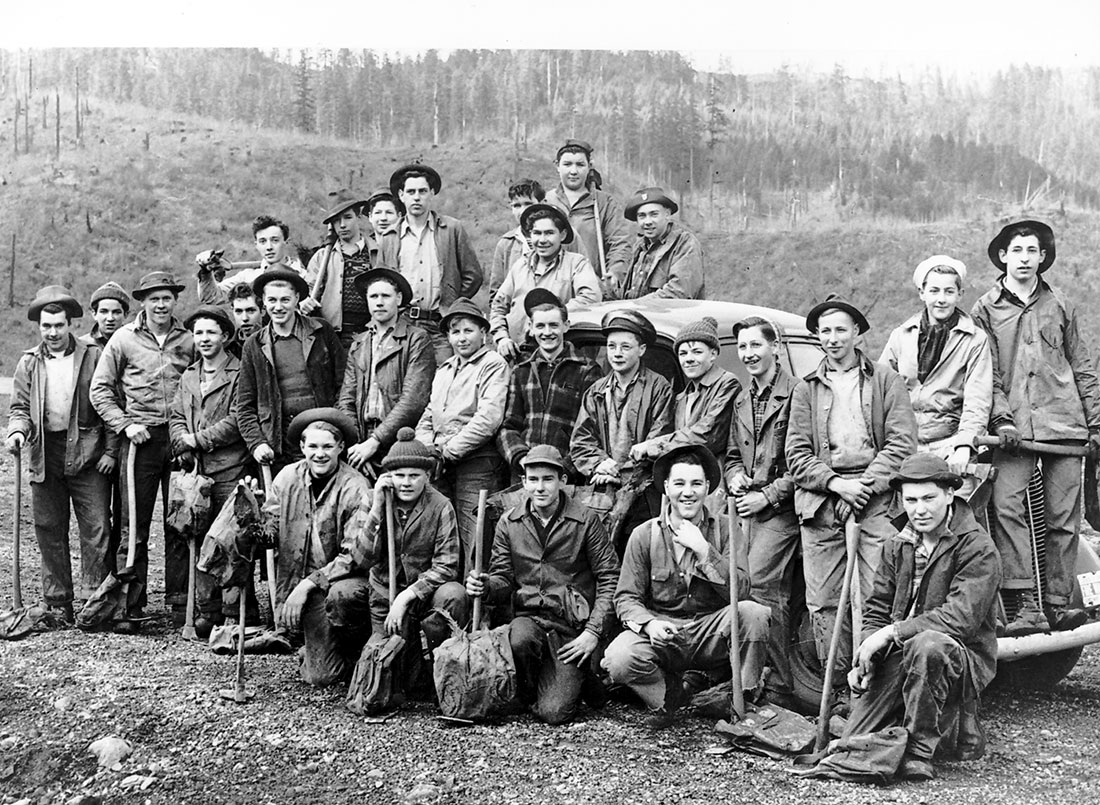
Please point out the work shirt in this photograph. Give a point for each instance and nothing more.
(569, 276)
(419, 262)
(612, 225)
(467, 404)
(511, 247)
(850, 445)
(59, 390)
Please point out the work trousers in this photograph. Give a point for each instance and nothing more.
(823, 560)
(1012, 532)
(919, 686)
(89, 491)
(442, 345)
(773, 546)
(700, 645)
(460, 482)
(551, 688)
(335, 627)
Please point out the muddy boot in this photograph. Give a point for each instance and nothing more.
(1065, 619)
(1029, 618)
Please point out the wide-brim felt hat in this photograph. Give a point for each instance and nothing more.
(1004, 237)
(463, 308)
(664, 463)
(648, 195)
(922, 468)
(544, 455)
(384, 194)
(54, 295)
(630, 321)
(217, 314)
(333, 416)
(540, 296)
(836, 302)
(363, 281)
(559, 217)
(340, 202)
(397, 179)
(280, 272)
(156, 281)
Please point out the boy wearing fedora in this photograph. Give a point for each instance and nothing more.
(294, 363)
(514, 244)
(51, 415)
(547, 386)
(464, 413)
(943, 356)
(133, 388)
(673, 594)
(553, 561)
(929, 624)
(594, 215)
(314, 507)
(272, 240)
(567, 274)
(432, 251)
(1044, 390)
(388, 377)
(851, 426)
(667, 260)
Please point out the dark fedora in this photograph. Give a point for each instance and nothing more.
(541, 296)
(463, 308)
(664, 463)
(835, 302)
(280, 272)
(333, 416)
(561, 220)
(573, 145)
(630, 321)
(397, 180)
(1004, 237)
(339, 202)
(54, 295)
(648, 195)
(217, 314)
(156, 281)
(363, 281)
(922, 468)
(384, 194)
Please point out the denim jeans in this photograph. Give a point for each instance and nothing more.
(461, 482)
(774, 543)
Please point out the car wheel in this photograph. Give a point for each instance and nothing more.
(807, 675)
(1041, 672)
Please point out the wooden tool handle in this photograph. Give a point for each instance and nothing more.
(479, 552)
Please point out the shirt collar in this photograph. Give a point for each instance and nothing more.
(707, 380)
(69, 350)
(404, 227)
(661, 238)
(615, 384)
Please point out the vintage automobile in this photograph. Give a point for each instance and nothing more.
(1036, 661)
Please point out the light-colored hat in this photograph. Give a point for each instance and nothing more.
(920, 273)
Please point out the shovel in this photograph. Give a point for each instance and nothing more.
(737, 693)
(851, 540)
(269, 554)
(479, 553)
(238, 693)
(16, 587)
(189, 620)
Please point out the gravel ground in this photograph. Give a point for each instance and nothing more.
(59, 691)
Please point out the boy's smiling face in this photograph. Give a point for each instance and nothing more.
(1022, 258)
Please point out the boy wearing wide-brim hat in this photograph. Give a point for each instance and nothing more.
(1045, 390)
(851, 426)
(568, 275)
(133, 388)
(667, 259)
(51, 418)
(514, 244)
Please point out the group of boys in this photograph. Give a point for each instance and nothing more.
(384, 399)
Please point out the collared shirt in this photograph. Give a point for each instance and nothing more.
(374, 404)
(619, 437)
(647, 256)
(760, 398)
(59, 389)
(419, 262)
(850, 442)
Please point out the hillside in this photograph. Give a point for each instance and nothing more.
(112, 209)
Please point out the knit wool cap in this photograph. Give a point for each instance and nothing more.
(408, 452)
(111, 290)
(705, 330)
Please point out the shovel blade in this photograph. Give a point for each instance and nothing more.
(238, 695)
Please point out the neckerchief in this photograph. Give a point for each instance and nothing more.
(930, 342)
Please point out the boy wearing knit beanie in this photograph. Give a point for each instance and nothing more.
(110, 306)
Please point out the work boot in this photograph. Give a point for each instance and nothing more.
(915, 768)
(1064, 619)
(63, 613)
(1029, 620)
(675, 698)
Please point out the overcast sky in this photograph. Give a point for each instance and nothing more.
(869, 37)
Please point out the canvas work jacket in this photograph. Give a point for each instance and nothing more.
(571, 279)
(404, 377)
(567, 578)
(466, 405)
(1044, 380)
(653, 585)
(332, 295)
(955, 399)
(613, 226)
(259, 406)
(670, 268)
(762, 457)
(708, 423)
(146, 374)
(222, 452)
(890, 422)
(459, 269)
(85, 437)
(957, 594)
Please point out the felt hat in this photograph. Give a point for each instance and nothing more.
(280, 272)
(574, 145)
(630, 321)
(836, 302)
(217, 314)
(543, 211)
(156, 281)
(922, 468)
(704, 330)
(333, 416)
(462, 308)
(384, 194)
(397, 180)
(664, 463)
(544, 455)
(363, 281)
(339, 202)
(1004, 237)
(541, 296)
(54, 295)
(408, 452)
(648, 195)
(111, 290)
(920, 273)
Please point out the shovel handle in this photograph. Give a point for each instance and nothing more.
(131, 500)
(1043, 448)
(479, 552)
(737, 691)
(851, 534)
(391, 543)
(16, 584)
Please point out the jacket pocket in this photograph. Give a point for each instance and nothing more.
(1051, 335)
(577, 608)
(662, 586)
